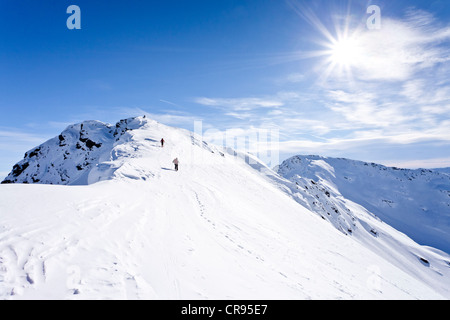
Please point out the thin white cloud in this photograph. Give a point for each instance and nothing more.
(240, 104)
(240, 115)
(174, 119)
(372, 110)
(422, 163)
(12, 138)
(170, 117)
(295, 78)
(13, 145)
(3, 175)
(170, 103)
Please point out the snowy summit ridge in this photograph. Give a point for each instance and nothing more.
(126, 225)
(69, 158)
(94, 151)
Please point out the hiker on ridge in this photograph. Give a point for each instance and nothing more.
(175, 162)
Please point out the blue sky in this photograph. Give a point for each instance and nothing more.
(310, 69)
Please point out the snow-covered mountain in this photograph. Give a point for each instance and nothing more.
(416, 202)
(119, 222)
(86, 153)
(443, 170)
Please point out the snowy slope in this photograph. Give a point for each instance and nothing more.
(220, 228)
(416, 202)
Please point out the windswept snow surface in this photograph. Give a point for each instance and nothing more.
(222, 227)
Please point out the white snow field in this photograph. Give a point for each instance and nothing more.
(126, 226)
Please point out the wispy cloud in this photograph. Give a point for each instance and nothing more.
(3, 175)
(240, 104)
(173, 104)
(295, 77)
(423, 163)
(12, 139)
(14, 143)
(168, 117)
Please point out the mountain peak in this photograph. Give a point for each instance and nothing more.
(73, 154)
(92, 151)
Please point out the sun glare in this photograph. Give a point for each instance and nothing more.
(344, 52)
(343, 55)
(344, 44)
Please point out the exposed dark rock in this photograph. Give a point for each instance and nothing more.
(90, 144)
(61, 140)
(34, 153)
(18, 169)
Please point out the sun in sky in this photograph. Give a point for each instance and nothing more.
(341, 56)
(342, 44)
(344, 52)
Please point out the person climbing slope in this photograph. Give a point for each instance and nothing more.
(162, 143)
(175, 162)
